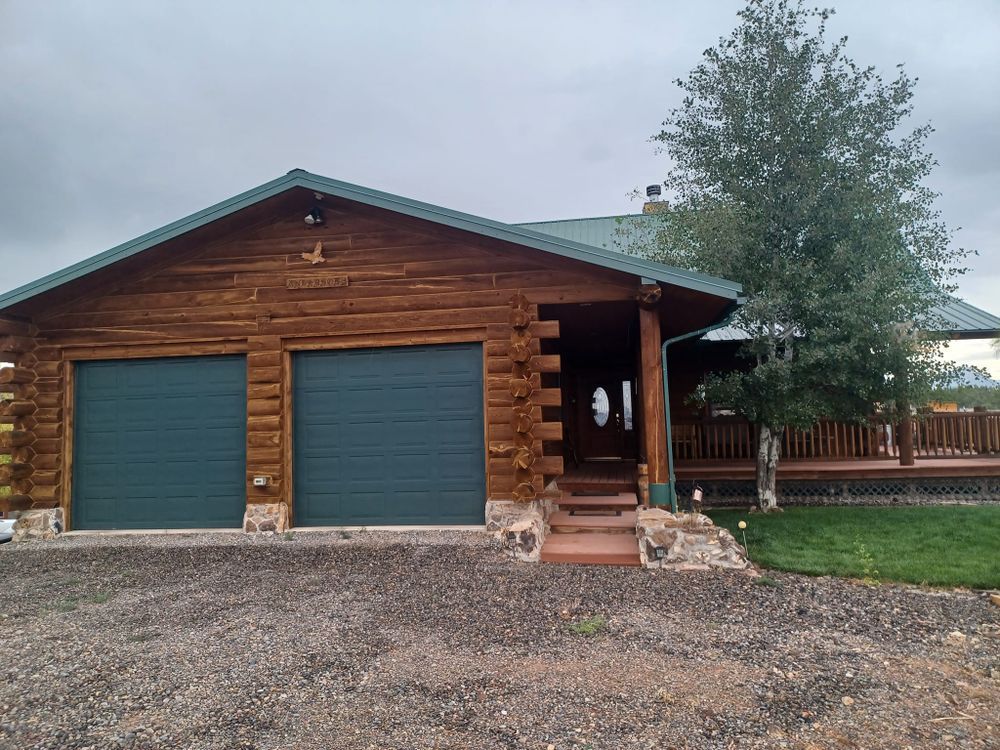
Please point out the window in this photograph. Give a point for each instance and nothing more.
(627, 403)
(600, 407)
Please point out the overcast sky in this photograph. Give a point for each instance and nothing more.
(118, 117)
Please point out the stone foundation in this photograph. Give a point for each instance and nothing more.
(689, 541)
(520, 527)
(266, 518)
(38, 525)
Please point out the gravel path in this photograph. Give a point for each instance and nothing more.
(436, 640)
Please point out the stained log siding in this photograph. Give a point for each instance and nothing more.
(407, 282)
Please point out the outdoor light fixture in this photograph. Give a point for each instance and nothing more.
(314, 217)
(659, 553)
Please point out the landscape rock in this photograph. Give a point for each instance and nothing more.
(43, 525)
(689, 541)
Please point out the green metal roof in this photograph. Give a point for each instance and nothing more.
(630, 232)
(298, 178)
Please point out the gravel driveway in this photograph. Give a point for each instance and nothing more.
(436, 640)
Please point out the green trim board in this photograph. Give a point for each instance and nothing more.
(298, 178)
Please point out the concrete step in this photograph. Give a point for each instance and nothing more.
(589, 548)
(607, 522)
(620, 501)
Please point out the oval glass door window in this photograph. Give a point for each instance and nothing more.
(600, 406)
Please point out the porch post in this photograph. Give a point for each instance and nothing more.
(905, 439)
(654, 418)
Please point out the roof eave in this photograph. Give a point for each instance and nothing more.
(417, 209)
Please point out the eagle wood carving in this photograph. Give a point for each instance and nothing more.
(316, 256)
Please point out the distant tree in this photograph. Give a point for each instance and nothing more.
(790, 176)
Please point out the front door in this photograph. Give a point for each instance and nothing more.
(605, 418)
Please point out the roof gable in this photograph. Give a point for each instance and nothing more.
(298, 178)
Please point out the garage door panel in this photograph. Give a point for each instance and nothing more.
(377, 431)
(160, 443)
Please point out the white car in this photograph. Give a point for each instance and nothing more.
(6, 529)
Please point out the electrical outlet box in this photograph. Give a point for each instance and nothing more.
(261, 481)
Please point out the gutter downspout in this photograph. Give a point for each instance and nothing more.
(671, 476)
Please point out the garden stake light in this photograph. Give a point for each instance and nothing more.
(743, 528)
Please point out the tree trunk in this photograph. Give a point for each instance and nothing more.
(768, 452)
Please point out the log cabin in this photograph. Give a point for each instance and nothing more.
(338, 356)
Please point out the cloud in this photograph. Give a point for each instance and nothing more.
(121, 117)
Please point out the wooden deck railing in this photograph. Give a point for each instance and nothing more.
(934, 435)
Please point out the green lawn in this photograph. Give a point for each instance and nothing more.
(938, 546)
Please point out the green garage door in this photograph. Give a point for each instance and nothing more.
(160, 443)
(389, 436)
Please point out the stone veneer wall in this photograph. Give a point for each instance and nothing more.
(909, 491)
(687, 541)
(520, 527)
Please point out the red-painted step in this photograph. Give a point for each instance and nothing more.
(591, 548)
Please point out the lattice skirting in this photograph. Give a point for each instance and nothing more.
(914, 491)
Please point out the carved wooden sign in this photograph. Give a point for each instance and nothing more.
(315, 282)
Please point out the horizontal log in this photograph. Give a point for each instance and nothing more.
(504, 414)
(49, 430)
(154, 334)
(16, 376)
(10, 472)
(48, 415)
(48, 369)
(47, 385)
(263, 424)
(537, 329)
(10, 408)
(501, 381)
(10, 439)
(49, 477)
(263, 407)
(257, 456)
(264, 359)
(160, 349)
(264, 375)
(264, 439)
(269, 494)
(10, 327)
(264, 344)
(53, 461)
(538, 397)
(539, 363)
(48, 400)
(499, 448)
(264, 390)
(541, 431)
(385, 322)
(42, 493)
(505, 483)
(48, 445)
(16, 344)
(10, 503)
(25, 455)
(501, 347)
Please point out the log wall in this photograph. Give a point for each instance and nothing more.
(384, 279)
